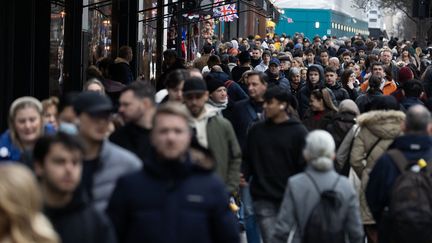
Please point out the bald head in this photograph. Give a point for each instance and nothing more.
(334, 62)
(417, 120)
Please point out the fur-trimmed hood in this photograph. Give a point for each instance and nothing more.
(121, 60)
(383, 124)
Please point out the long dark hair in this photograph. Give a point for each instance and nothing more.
(374, 84)
(345, 77)
(324, 94)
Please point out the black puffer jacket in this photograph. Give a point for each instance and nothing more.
(339, 92)
(80, 222)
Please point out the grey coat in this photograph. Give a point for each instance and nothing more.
(301, 197)
(115, 162)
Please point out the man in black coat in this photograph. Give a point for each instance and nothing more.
(176, 197)
(121, 70)
(58, 164)
(137, 106)
(272, 154)
(248, 111)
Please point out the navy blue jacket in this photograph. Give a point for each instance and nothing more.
(170, 202)
(385, 171)
(243, 116)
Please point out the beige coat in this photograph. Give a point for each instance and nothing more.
(373, 126)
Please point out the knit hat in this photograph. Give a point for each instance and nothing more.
(405, 74)
(244, 57)
(213, 84)
(194, 85)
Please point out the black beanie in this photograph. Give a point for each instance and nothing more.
(213, 84)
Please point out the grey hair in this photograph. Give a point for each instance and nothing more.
(417, 119)
(294, 71)
(319, 150)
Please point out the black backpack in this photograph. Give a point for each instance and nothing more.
(324, 224)
(409, 215)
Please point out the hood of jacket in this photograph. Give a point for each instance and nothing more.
(320, 70)
(349, 106)
(383, 124)
(121, 60)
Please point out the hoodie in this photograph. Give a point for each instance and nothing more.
(272, 154)
(306, 91)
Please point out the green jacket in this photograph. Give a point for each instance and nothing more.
(223, 144)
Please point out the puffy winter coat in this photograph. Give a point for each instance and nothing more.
(374, 125)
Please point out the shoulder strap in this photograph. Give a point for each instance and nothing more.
(399, 159)
(228, 83)
(313, 182)
(372, 148)
(316, 186)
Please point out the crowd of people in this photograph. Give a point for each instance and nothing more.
(286, 139)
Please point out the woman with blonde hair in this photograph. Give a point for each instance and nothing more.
(21, 220)
(95, 85)
(25, 127)
(50, 111)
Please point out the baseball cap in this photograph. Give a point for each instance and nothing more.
(93, 103)
(274, 61)
(194, 85)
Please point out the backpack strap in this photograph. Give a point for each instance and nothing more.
(399, 159)
(372, 148)
(316, 186)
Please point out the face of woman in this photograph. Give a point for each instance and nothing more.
(27, 124)
(95, 87)
(50, 116)
(316, 104)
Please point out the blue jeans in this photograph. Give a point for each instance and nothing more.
(252, 230)
(266, 213)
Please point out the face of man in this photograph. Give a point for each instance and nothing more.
(310, 57)
(195, 102)
(330, 78)
(266, 59)
(334, 62)
(170, 136)
(347, 58)
(378, 70)
(256, 54)
(258, 43)
(131, 107)
(255, 87)
(61, 169)
(273, 108)
(176, 94)
(386, 57)
(285, 65)
(94, 128)
(314, 77)
(274, 69)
